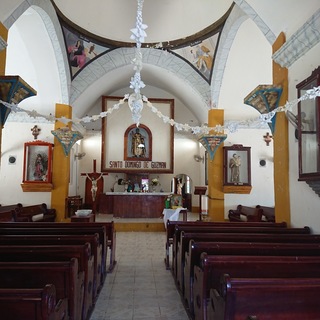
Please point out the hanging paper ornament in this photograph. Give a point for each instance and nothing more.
(67, 138)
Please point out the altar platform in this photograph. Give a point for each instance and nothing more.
(141, 224)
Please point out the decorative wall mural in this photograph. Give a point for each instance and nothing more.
(199, 51)
(201, 55)
(80, 50)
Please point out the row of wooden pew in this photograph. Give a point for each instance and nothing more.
(53, 271)
(232, 270)
(30, 213)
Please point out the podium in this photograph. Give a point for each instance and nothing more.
(198, 190)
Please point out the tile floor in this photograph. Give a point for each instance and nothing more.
(140, 287)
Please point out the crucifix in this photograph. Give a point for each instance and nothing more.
(94, 186)
(267, 138)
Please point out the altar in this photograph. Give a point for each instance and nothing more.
(133, 204)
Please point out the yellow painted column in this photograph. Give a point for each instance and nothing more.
(215, 173)
(281, 143)
(3, 53)
(61, 167)
(3, 56)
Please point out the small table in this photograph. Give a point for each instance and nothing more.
(89, 218)
(173, 214)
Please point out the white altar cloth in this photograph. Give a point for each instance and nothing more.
(171, 214)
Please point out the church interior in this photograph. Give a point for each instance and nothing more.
(132, 110)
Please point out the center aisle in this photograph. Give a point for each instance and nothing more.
(140, 287)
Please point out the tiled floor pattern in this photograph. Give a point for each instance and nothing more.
(140, 287)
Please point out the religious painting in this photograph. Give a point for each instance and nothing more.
(201, 55)
(138, 143)
(37, 167)
(237, 167)
(128, 148)
(176, 201)
(80, 49)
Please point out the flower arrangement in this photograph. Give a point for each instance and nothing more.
(155, 182)
(123, 182)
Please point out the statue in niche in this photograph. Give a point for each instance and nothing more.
(234, 165)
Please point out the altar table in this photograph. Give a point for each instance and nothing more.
(132, 204)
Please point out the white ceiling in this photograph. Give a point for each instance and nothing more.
(167, 20)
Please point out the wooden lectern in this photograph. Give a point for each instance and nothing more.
(200, 191)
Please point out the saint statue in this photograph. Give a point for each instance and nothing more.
(137, 144)
(234, 165)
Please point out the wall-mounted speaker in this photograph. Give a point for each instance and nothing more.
(262, 163)
(12, 159)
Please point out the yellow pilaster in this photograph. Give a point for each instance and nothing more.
(281, 143)
(61, 167)
(4, 36)
(215, 173)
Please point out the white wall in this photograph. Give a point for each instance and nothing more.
(262, 181)
(14, 136)
(249, 65)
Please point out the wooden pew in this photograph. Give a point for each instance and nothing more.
(64, 275)
(38, 212)
(250, 214)
(209, 229)
(6, 212)
(54, 253)
(196, 248)
(208, 274)
(170, 229)
(111, 241)
(268, 213)
(35, 303)
(109, 237)
(277, 299)
(96, 248)
(58, 228)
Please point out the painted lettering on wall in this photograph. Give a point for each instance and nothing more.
(137, 164)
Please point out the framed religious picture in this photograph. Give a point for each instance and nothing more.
(37, 166)
(131, 148)
(237, 169)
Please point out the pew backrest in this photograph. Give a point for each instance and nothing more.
(33, 303)
(38, 212)
(212, 268)
(54, 253)
(170, 230)
(293, 299)
(65, 275)
(93, 239)
(106, 230)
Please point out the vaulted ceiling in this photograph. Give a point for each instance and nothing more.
(172, 25)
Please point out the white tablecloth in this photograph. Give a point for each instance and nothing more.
(171, 214)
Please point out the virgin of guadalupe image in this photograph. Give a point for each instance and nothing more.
(40, 168)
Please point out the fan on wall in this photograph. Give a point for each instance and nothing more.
(293, 119)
